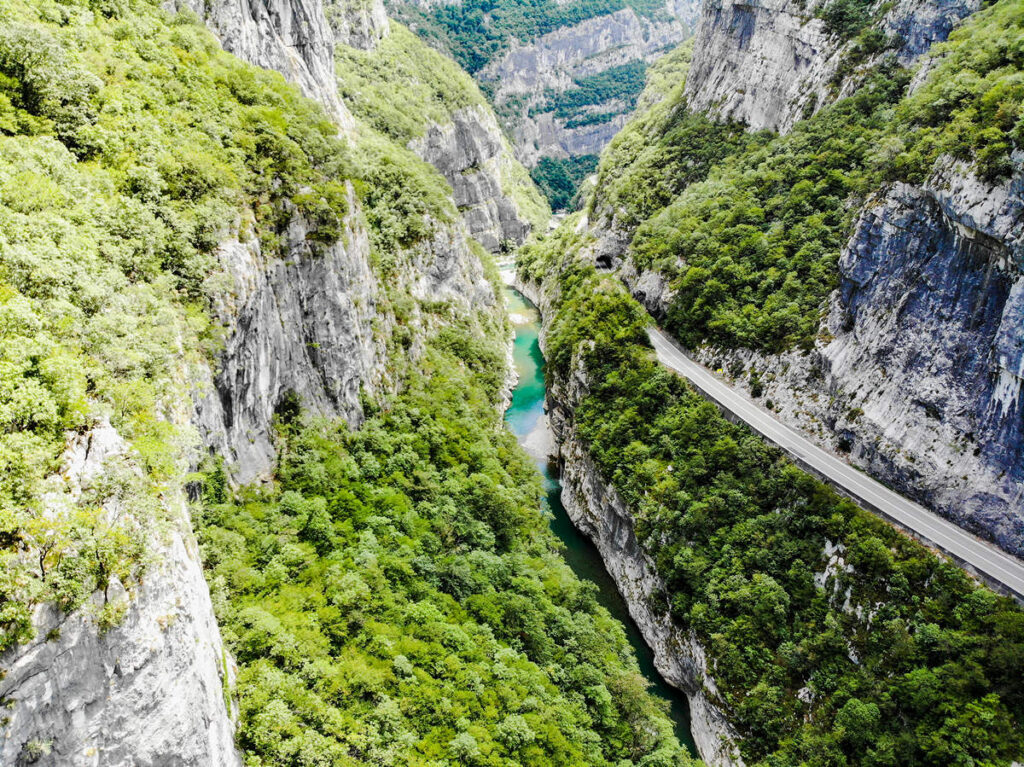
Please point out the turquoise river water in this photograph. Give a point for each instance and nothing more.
(524, 417)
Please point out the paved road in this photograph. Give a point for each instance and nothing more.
(992, 564)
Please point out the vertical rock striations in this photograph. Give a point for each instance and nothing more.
(150, 691)
(921, 376)
(361, 24)
(292, 37)
(768, 63)
(300, 324)
(473, 156)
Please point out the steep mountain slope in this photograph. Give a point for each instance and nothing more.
(231, 193)
(803, 629)
(420, 99)
(314, 43)
(563, 77)
(797, 265)
(195, 267)
(568, 92)
(859, 274)
(768, 64)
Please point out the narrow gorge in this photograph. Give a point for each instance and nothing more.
(323, 442)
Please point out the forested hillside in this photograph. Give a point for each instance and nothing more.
(398, 597)
(753, 247)
(562, 76)
(760, 251)
(877, 234)
(391, 593)
(830, 637)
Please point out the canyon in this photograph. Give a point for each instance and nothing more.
(915, 375)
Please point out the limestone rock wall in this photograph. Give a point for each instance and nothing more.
(768, 63)
(472, 154)
(919, 377)
(151, 691)
(301, 323)
(528, 72)
(358, 23)
(290, 36)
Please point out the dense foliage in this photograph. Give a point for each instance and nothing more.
(560, 178)
(476, 32)
(749, 228)
(130, 146)
(403, 87)
(621, 85)
(398, 598)
(833, 639)
(128, 143)
(662, 149)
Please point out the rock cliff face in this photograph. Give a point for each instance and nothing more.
(918, 377)
(148, 692)
(359, 23)
(921, 376)
(596, 508)
(472, 154)
(290, 36)
(302, 324)
(154, 689)
(528, 74)
(769, 63)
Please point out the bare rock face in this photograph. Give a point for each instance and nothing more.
(921, 379)
(473, 156)
(148, 692)
(302, 323)
(527, 74)
(292, 37)
(597, 509)
(768, 63)
(358, 23)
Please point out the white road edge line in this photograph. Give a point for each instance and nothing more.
(991, 563)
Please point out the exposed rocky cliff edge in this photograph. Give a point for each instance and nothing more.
(596, 509)
(769, 63)
(918, 377)
(149, 692)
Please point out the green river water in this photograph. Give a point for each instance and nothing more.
(523, 418)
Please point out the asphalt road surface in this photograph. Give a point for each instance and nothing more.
(986, 560)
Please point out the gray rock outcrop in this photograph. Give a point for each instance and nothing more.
(154, 689)
(300, 323)
(149, 692)
(472, 154)
(292, 37)
(921, 376)
(525, 76)
(359, 23)
(768, 63)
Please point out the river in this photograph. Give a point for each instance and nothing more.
(525, 417)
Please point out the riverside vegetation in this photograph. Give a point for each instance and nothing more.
(896, 657)
(890, 655)
(395, 594)
(398, 598)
